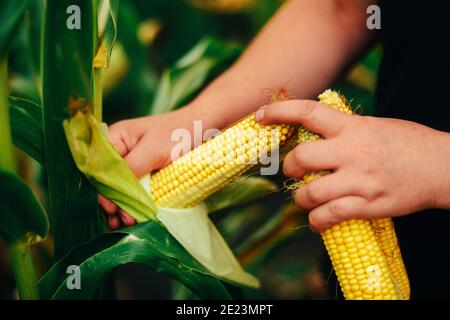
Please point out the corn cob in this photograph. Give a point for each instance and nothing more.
(358, 251)
(365, 254)
(192, 178)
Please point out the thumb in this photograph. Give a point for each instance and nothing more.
(313, 115)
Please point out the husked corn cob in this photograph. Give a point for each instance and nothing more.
(358, 261)
(365, 254)
(192, 178)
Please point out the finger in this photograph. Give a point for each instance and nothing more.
(118, 141)
(107, 206)
(314, 116)
(141, 161)
(338, 210)
(311, 157)
(114, 222)
(327, 188)
(126, 218)
(125, 135)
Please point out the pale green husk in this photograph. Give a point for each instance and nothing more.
(110, 174)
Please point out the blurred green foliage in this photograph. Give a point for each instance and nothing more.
(166, 52)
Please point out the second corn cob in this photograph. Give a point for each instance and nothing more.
(365, 254)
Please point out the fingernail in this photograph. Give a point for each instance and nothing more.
(259, 115)
(307, 106)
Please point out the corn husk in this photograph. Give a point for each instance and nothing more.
(96, 157)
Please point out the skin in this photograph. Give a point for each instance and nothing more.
(370, 178)
(146, 146)
(286, 54)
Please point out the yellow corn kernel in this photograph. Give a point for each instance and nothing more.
(387, 240)
(360, 266)
(183, 185)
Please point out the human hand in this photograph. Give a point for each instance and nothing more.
(380, 167)
(145, 143)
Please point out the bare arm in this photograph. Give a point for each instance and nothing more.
(303, 48)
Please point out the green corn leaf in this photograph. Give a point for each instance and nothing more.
(25, 87)
(189, 81)
(190, 73)
(26, 127)
(11, 13)
(162, 97)
(239, 192)
(107, 31)
(148, 244)
(23, 219)
(68, 55)
(195, 54)
(7, 159)
(33, 25)
(118, 68)
(21, 215)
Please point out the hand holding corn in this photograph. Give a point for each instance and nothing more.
(362, 250)
(380, 167)
(146, 146)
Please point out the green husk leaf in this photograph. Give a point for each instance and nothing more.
(105, 168)
(148, 244)
(195, 231)
(96, 157)
(21, 215)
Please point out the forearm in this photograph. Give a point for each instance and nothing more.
(302, 49)
(442, 169)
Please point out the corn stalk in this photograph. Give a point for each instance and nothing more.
(6, 156)
(68, 85)
(19, 251)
